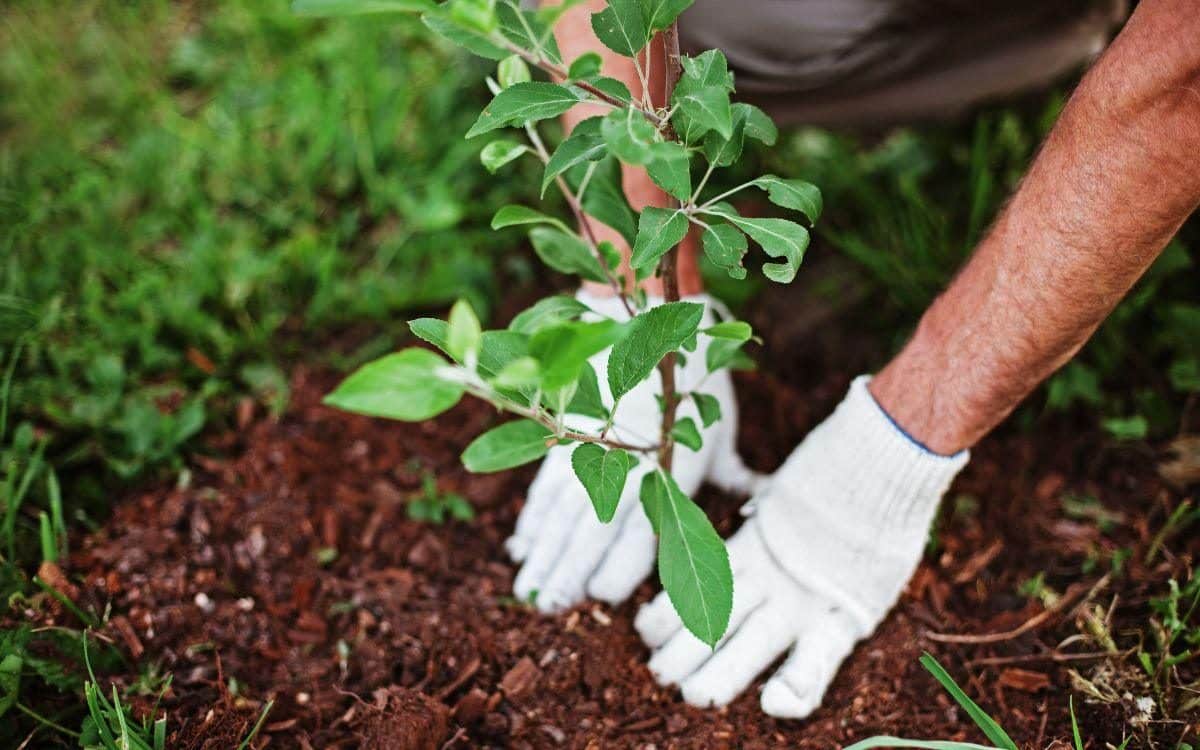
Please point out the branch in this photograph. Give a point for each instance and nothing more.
(577, 209)
(668, 267)
(547, 420)
(560, 72)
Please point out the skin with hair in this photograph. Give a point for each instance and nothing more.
(1114, 180)
(1116, 177)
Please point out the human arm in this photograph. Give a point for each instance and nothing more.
(1116, 177)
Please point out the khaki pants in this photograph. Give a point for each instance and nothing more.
(879, 62)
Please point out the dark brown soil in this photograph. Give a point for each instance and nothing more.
(292, 572)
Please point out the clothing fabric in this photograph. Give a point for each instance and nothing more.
(878, 62)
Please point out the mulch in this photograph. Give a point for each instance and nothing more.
(288, 570)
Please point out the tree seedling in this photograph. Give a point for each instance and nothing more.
(538, 367)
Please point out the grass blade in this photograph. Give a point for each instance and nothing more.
(257, 726)
(986, 723)
(886, 741)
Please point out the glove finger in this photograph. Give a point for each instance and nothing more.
(727, 470)
(798, 686)
(585, 550)
(657, 621)
(758, 642)
(627, 562)
(541, 501)
(548, 545)
(684, 653)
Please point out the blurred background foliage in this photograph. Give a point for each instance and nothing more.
(195, 196)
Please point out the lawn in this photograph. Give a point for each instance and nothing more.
(209, 212)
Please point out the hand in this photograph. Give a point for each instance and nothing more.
(567, 553)
(832, 541)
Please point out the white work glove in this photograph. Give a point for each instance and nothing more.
(831, 542)
(568, 554)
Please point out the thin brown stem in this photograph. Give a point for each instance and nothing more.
(547, 420)
(668, 267)
(576, 205)
(560, 72)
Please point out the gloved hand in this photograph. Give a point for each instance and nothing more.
(567, 552)
(830, 544)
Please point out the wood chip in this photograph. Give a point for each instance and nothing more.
(521, 678)
(1183, 468)
(977, 562)
(1025, 680)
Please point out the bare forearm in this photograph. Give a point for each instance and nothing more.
(1116, 177)
(575, 37)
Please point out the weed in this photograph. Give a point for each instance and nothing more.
(432, 505)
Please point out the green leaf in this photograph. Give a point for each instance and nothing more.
(566, 253)
(358, 7)
(738, 330)
(721, 353)
(563, 349)
(705, 71)
(797, 195)
(496, 349)
(660, 14)
(10, 681)
(439, 22)
(995, 734)
(557, 309)
(759, 126)
(584, 144)
(622, 27)
(659, 230)
(1127, 428)
(652, 494)
(477, 15)
(511, 70)
(725, 246)
(886, 741)
(651, 336)
(704, 109)
(524, 102)
(585, 66)
(709, 68)
(779, 238)
(511, 444)
(629, 135)
(587, 400)
(520, 373)
(605, 201)
(511, 216)
(548, 14)
(693, 563)
(499, 348)
(669, 169)
(708, 406)
(463, 334)
(612, 87)
(498, 153)
(721, 151)
(404, 386)
(526, 30)
(603, 474)
(687, 434)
